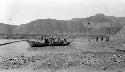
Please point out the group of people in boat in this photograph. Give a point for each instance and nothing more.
(51, 39)
(46, 40)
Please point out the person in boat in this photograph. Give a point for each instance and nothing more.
(54, 39)
(46, 39)
(43, 39)
(40, 39)
(65, 40)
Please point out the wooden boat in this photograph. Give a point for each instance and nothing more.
(39, 43)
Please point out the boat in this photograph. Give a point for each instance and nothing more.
(54, 42)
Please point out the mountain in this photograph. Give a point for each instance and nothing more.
(6, 28)
(41, 26)
(101, 24)
(98, 24)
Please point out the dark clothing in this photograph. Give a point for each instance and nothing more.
(102, 38)
(107, 39)
(97, 38)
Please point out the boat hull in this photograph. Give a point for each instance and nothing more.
(36, 44)
(39, 44)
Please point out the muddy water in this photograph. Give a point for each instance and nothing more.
(23, 48)
(19, 48)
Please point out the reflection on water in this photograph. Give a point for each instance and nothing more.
(18, 48)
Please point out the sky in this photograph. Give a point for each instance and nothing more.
(18, 12)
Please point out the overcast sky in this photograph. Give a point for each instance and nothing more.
(24, 11)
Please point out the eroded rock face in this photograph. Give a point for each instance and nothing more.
(60, 61)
